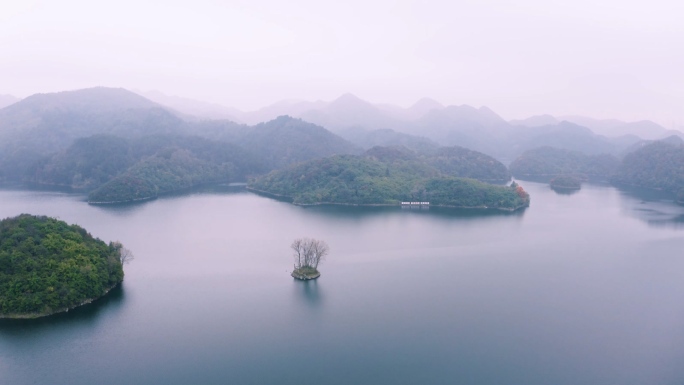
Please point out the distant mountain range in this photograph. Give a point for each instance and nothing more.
(480, 129)
(613, 128)
(159, 148)
(193, 107)
(6, 100)
(42, 141)
(423, 126)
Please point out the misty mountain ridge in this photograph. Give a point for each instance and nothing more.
(52, 121)
(367, 139)
(44, 124)
(55, 120)
(674, 140)
(92, 100)
(193, 107)
(535, 121)
(612, 128)
(334, 113)
(6, 100)
(480, 129)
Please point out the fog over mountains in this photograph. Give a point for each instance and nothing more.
(349, 111)
(53, 121)
(112, 139)
(428, 122)
(6, 100)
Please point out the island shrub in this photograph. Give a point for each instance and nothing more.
(308, 254)
(48, 266)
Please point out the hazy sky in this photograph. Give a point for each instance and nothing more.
(615, 58)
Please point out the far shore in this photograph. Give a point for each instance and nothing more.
(397, 204)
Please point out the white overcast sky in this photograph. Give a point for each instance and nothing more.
(606, 59)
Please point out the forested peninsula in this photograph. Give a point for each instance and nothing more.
(48, 266)
(658, 165)
(549, 162)
(386, 176)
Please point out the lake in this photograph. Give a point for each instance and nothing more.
(584, 288)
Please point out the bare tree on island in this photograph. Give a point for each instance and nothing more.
(125, 255)
(308, 253)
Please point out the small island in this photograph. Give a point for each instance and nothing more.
(308, 253)
(48, 266)
(566, 183)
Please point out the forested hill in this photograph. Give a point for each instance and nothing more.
(659, 165)
(55, 126)
(449, 161)
(548, 162)
(87, 138)
(462, 162)
(384, 176)
(93, 161)
(144, 167)
(56, 119)
(122, 170)
(285, 140)
(48, 266)
(43, 124)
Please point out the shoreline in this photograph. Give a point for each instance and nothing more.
(569, 188)
(304, 277)
(398, 204)
(120, 202)
(166, 193)
(62, 310)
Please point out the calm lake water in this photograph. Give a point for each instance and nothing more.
(585, 288)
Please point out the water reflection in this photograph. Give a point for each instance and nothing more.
(562, 191)
(81, 316)
(357, 212)
(124, 209)
(657, 208)
(49, 188)
(308, 292)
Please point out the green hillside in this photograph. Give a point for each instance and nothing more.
(549, 162)
(659, 165)
(367, 180)
(48, 266)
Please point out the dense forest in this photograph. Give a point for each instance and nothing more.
(462, 162)
(384, 176)
(566, 182)
(48, 266)
(160, 164)
(658, 165)
(548, 162)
